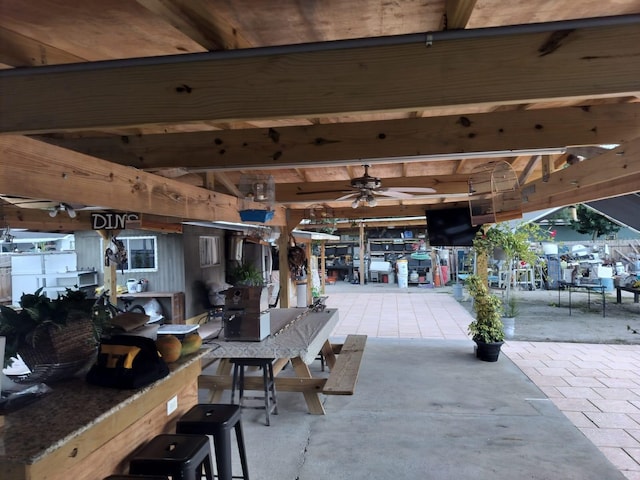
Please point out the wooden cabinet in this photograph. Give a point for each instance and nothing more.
(175, 300)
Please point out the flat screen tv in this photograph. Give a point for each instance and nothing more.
(450, 227)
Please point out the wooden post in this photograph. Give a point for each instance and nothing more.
(323, 266)
(110, 271)
(285, 277)
(361, 269)
(309, 250)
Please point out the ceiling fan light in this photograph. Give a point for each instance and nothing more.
(53, 213)
(371, 201)
(355, 203)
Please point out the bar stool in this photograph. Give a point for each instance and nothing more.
(269, 384)
(136, 477)
(181, 456)
(217, 420)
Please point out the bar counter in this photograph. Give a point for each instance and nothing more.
(83, 431)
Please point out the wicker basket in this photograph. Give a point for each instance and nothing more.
(73, 343)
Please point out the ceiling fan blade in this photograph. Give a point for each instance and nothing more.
(315, 192)
(348, 196)
(412, 189)
(392, 194)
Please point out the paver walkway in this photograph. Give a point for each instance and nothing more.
(597, 386)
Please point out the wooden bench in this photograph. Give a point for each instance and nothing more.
(635, 291)
(344, 373)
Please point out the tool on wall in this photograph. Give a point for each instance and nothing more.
(119, 256)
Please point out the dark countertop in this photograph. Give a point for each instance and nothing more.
(70, 408)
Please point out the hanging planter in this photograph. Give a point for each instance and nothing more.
(260, 216)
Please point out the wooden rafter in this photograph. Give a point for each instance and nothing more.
(60, 175)
(504, 69)
(297, 147)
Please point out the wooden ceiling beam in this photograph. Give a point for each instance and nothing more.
(57, 174)
(458, 13)
(197, 21)
(297, 147)
(21, 51)
(611, 174)
(40, 221)
(593, 62)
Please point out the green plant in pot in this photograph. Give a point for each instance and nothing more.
(487, 328)
(510, 311)
(246, 275)
(45, 331)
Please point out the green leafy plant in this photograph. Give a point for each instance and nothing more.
(487, 327)
(511, 308)
(37, 313)
(515, 243)
(246, 274)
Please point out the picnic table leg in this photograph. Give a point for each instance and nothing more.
(329, 355)
(312, 398)
(224, 368)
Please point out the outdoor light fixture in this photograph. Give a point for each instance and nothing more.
(573, 211)
(63, 207)
(367, 199)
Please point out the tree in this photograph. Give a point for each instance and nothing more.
(591, 222)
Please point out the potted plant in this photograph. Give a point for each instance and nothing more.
(45, 331)
(246, 275)
(508, 243)
(487, 329)
(509, 314)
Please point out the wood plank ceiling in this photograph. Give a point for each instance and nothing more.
(160, 106)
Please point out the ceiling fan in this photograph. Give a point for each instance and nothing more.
(52, 206)
(366, 188)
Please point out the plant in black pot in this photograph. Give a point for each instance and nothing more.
(487, 329)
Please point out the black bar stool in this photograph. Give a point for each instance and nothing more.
(217, 420)
(137, 477)
(269, 384)
(184, 457)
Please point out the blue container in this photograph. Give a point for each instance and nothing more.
(260, 216)
(608, 284)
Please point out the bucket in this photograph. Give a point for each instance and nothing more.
(607, 283)
(509, 327)
(132, 285)
(403, 267)
(385, 278)
(549, 248)
(301, 295)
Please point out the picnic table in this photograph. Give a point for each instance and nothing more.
(620, 289)
(297, 336)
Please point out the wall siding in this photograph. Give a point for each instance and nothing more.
(178, 263)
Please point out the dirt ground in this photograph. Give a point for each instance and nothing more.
(544, 316)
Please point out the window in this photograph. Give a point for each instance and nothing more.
(209, 251)
(142, 254)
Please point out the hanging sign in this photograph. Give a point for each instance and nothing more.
(112, 221)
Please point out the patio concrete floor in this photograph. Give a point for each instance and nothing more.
(426, 408)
